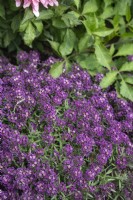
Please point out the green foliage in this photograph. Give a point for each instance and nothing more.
(126, 90)
(103, 55)
(56, 69)
(94, 33)
(109, 79)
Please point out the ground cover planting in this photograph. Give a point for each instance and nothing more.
(66, 100)
(101, 33)
(62, 138)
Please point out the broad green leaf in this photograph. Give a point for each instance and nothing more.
(131, 23)
(68, 44)
(8, 37)
(112, 49)
(77, 3)
(27, 16)
(60, 9)
(84, 42)
(117, 88)
(2, 11)
(128, 66)
(127, 35)
(116, 21)
(129, 79)
(45, 14)
(39, 26)
(103, 32)
(89, 62)
(54, 45)
(108, 2)
(121, 7)
(67, 64)
(58, 23)
(91, 24)
(88, 26)
(103, 55)
(56, 69)
(23, 27)
(126, 90)
(109, 79)
(128, 13)
(16, 22)
(119, 62)
(71, 19)
(125, 49)
(90, 7)
(29, 34)
(108, 12)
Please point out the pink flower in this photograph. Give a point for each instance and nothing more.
(35, 4)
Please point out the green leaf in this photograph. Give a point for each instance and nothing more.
(91, 24)
(68, 44)
(103, 55)
(125, 49)
(112, 49)
(128, 66)
(90, 63)
(128, 13)
(84, 42)
(90, 7)
(116, 21)
(119, 62)
(129, 79)
(16, 23)
(27, 16)
(77, 3)
(56, 69)
(67, 64)
(108, 2)
(39, 26)
(8, 37)
(58, 23)
(71, 19)
(126, 90)
(103, 32)
(117, 88)
(60, 9)
(109, 79)
(54, 45)
(108, 12)
(121, 7)
(2, 11)
(45, 14)
(23, 27)
(29, 34)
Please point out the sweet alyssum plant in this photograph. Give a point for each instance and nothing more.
(96, 34)
(61, 138)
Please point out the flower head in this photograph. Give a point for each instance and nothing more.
(35, 4)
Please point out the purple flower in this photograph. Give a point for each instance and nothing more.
(130, 58)
(57, 136)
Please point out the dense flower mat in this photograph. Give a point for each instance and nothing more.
(61, 138)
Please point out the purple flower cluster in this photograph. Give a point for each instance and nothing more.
(58, 136)
(130, 58)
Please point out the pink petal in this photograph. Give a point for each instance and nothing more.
(35, 7)
(27, 3)
(18, 3)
